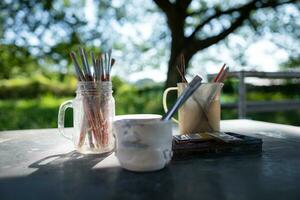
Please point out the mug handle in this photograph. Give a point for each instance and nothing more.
(165, 95)
(61, 118)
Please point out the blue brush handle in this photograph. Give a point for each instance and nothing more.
(186, 93)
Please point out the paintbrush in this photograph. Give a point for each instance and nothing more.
(219, 74)
(223, 75)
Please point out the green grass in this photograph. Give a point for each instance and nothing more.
(31, 113)
(42, 112)
(34, 103)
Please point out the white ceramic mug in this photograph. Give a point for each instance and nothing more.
(144, 142)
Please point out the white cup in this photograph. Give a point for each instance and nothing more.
(144, 142)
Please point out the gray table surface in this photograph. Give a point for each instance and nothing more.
(39, 164)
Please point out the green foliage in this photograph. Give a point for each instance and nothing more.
(33, 103)
(15, 60)
(293, 62)
(274, 92)
(131, 100)
(34, 87)
(230, 86)
(48, 30)
(286, 117)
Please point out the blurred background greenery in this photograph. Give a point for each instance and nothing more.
(36, 74)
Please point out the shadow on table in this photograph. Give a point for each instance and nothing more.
(68, 161)
(76, 176)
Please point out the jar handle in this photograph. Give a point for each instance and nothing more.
(61, 117)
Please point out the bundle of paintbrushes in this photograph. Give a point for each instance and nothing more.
(220, 78)
(95, 94)
(204, 109)
(100, 70)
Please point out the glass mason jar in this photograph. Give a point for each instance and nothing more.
(93, 114)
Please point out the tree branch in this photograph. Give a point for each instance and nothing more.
(175, 13)
(255, 4)
(184, 4)
(202, 44)
(164, 5)
(219, 13)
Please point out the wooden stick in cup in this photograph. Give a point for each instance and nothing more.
(182, 76)
(219, 74)
(223, 75)
(181, 68)
(182, 64)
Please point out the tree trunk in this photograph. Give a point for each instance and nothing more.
(173, 77)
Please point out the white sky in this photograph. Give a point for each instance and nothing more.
(266, 55)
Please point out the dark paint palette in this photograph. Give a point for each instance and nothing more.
(188, 146)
